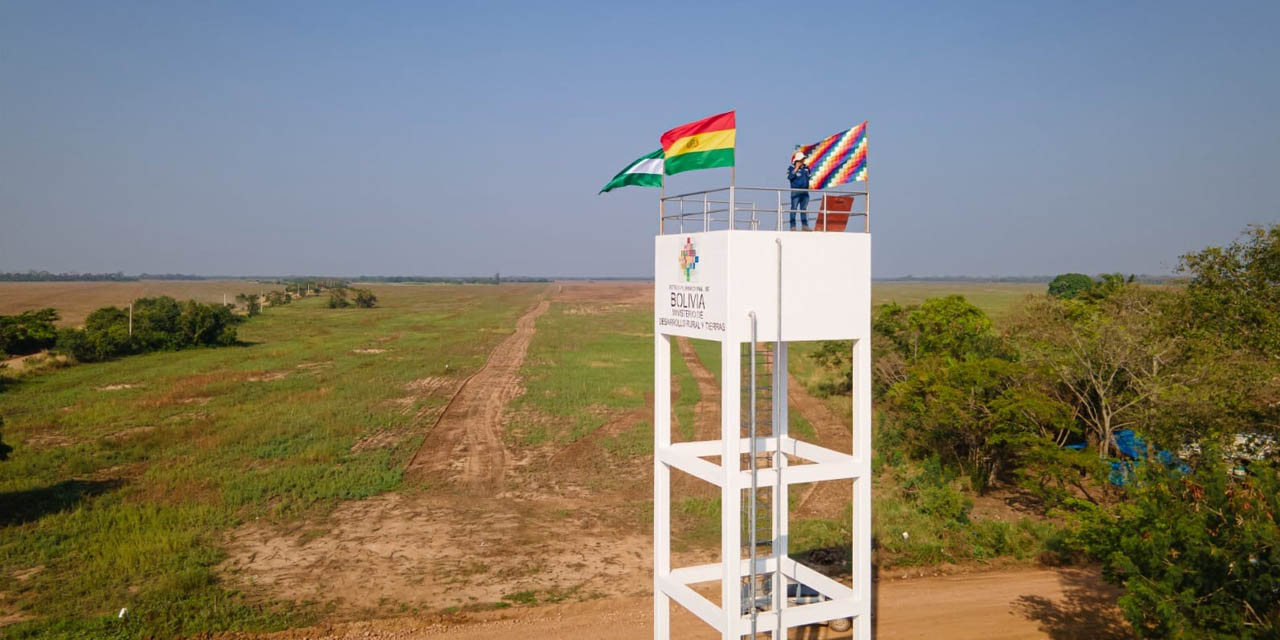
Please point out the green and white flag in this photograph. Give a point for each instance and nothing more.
(645, 171)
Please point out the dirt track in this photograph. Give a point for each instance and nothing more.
(466, 444)
(706, 414)
(1001, 605)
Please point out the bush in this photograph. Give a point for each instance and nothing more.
(365, 298)
(1198, 555)
(338, 299)
(28, 332)
(159, 324)
(252, 305)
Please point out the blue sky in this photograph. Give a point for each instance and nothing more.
(422, 138)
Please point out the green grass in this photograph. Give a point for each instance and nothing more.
(123, 498)
(709, 353)
(584, 366)
(687, 396)
(634, 442)
(800, 427)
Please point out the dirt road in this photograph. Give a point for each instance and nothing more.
(706, 414)
(465, 447)
(1003, 605)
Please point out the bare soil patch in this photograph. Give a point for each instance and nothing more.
(385, 439)
(420, 550)
(125, 434)
(117, 387)
(423, 388)
(37, 360)
(1022, 604)
(48, 440)
(368, 351)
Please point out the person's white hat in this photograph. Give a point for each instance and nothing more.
(798, 155)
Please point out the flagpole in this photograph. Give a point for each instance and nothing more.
(733, 208)
(662, 201)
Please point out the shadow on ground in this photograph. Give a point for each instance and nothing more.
(21, 507)
(1087, 609)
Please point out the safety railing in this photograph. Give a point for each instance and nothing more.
(749, 208)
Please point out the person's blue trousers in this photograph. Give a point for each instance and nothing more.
(800, 202)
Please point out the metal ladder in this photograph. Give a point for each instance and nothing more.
(757, 421)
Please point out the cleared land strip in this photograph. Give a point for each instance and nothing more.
(466, 443)
(999, 605)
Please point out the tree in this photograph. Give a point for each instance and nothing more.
(160, 323)
(1198, 554)
(365, 298)
(155, 324)
(1110, 360)
(207, 325)
(1234, 291)
(338, 299)
(1069, 285)
(250, 301)
(28, 332)
(977, 414)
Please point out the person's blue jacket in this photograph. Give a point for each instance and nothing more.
(799, 178)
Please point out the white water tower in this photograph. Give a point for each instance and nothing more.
(720, 275)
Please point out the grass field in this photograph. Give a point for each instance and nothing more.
(126, 475)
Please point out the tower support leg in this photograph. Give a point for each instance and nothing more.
(661, 484)
(730, 490)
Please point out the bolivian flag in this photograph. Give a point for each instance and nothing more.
(703, 144)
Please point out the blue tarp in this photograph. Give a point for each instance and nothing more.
(1133, 447)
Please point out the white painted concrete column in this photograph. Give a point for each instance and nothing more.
(862, 486)
(661, 483)
(731, 491)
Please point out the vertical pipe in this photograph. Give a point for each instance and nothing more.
(706, 213)
(732, 201)
(825, 214)
(751, 510)
(779, 210)
(780, 538)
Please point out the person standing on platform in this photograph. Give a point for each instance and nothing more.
(798, 174)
